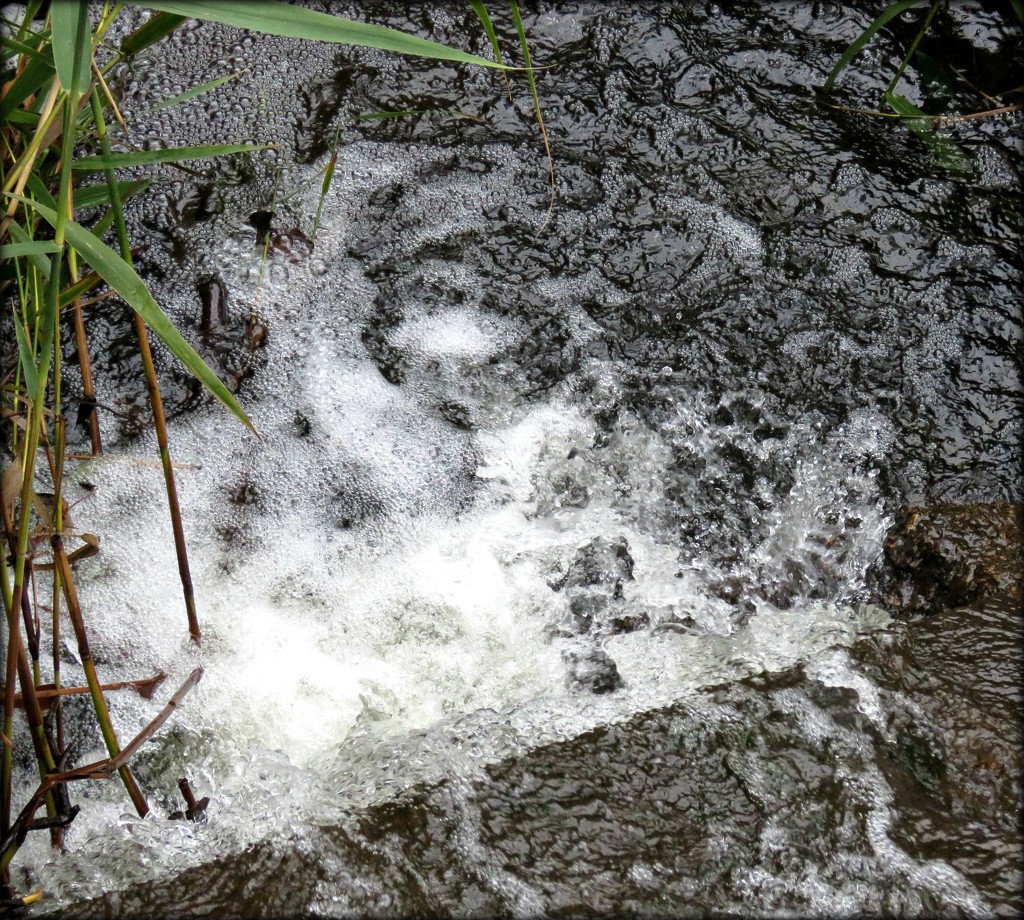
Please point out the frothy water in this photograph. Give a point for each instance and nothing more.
(370, 569)
(483, 517)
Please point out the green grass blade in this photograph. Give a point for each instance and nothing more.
(79, 288)
(22, 119)
(72, 43)
(485, 21)
(91, 196)
(524, 46)
(21, 238)
(325, 186)
(175, 155)
(274, 18)
(28, 361)
(857, 45)
(100, 228)
(12, 47)
(124, 279)
(193, 92)
(38, 188)
(913, 47)
(28, 248)
(149, 32)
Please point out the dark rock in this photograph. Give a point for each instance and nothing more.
(260, 221)
(682, 625)
(948, 556)
(456, 413)
(625, 620)
(594, 612)
(599, 562)
(292, 243)
(593, 580)
(196, 205)
(213, 298)
(593, 671)
(301, 425)
(584, 609)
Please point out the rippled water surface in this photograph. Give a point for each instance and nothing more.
(546, 589)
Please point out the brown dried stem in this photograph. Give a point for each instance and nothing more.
(63, 568)
(153, 388)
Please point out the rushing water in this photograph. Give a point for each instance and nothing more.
(545, 589)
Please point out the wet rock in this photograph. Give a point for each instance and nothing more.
(261, 222)
(684, 626)
(213, 299)
(593, 581)
(596, 613)
(948, 556)
(600, 562)
(292, 243)
(594, 671)
(195, 205)
(301, 425)
(456, 413)
(584, 609)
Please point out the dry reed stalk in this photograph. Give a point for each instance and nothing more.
(152, 387)
(62, 566)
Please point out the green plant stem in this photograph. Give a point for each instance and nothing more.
(153, 387)
(15, 649)
(7, 742)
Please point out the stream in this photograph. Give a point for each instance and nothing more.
(548, 588)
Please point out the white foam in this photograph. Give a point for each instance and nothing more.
(388, 575)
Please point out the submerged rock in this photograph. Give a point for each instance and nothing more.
(593, 670)
(947, 556)
(599, 562)
(600, 613)
(593, 582)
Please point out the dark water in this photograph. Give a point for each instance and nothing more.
(780, 323)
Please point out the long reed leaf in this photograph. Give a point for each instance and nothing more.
(26, 358)
(193, 92)
(36, 74)
(12, 47)
(485, 21)
(99, 162)
(150, 32)
(274, 18)
(38, 258)
(124, 279)
(28, 248)
(948, 152)
(525, 47)
(91, 196)
(38, 188)
(72, 43)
